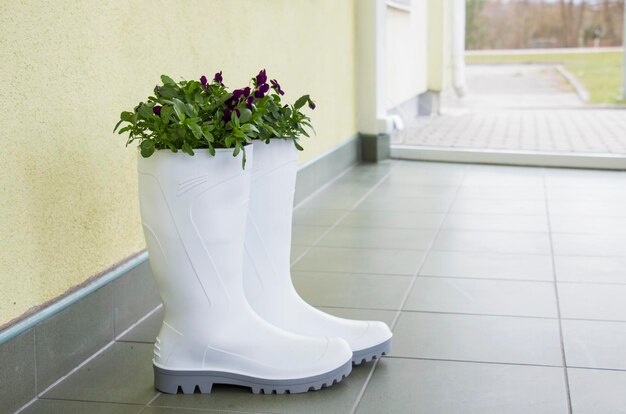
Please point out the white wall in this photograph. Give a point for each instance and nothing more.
(406, 52)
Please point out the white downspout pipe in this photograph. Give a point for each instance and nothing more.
(624, 52)
(458, 47)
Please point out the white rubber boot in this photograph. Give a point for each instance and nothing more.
(267, 275)
(193, 211)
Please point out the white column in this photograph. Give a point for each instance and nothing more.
(624, 53)
(458, 46)
(370, 65)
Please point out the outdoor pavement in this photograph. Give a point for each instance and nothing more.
(504, 287)
(519, 107)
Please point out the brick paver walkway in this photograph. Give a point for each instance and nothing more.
(519, 107)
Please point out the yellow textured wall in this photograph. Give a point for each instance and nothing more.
(68, 208)
(406, 59)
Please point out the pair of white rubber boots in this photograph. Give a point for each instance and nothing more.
(218, 239)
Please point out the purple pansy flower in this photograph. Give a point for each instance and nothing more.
(237, 94)
(276, 87)
(261, 78)
(311, 104)
(228, 113)
(157, 110)
(246, 91)
(218, 78)
(203, 81)
(249, 102)
(261, 91)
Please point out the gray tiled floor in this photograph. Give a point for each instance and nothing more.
(504, 287)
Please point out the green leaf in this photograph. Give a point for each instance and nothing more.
(186, 148)
(166, 113)
(117, 125)
(145, 110)
(249, 128)
(126, 128)
(246, 114)
(168, 91)
(179, 107)
(167, 80)
(147, 148)
(127, 116)
(206, 131)
(298, 146)
(301, 101)
(196, 130)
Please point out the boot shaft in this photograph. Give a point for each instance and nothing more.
(193, 211)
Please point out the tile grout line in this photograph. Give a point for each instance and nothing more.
(558, 304)
(328, 184)
(36, 397)
(343, 216)
(471, 361)
(408, 292)
(147, 405)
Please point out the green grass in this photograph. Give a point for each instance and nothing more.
(600, 73)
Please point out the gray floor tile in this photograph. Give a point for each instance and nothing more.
(496, 222)
(597, 391)
(372, 261)
(442, 387)
(379, 238)
(146, 331)
(399, 189)
(589, 244)
(316, 217)
(171, 410)
(397, 219)
(17, 372)
(587, 193)
(502, 192)
(337, 399)
(336, 198)
(499, 177)
(43, 406)
(590, 269)
(488, 265)
(484, 206)
(297, 251)
(419, 177)
(362, 314)
(587, 208)
(487, 297)
(352, 291)
(122, 374)
(556, 178)
(306, 235)
(592, 301)
(493, 242)
(588, 224)
(477, 338)
(595, 344)
(73, 335)
(410, 204)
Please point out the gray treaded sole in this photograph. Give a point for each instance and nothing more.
(371, 353)
(171, 381)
